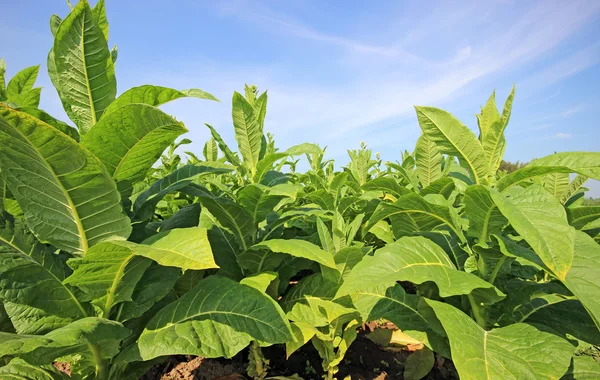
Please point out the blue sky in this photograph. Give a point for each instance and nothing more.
(342, 72)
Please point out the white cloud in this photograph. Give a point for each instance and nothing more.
(563, 135)
(573, 110)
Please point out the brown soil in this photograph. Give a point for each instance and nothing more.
(196, 368)
(364, 360)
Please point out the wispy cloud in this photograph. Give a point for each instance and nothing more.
(573, 110)
(563, 135)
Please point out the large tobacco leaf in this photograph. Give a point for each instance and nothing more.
(29, 269)
(453, 138)
(154, 96)
(129, 140)
(80, 205)
(218, 317)
(518, 351)
(418, 260)
(84, 70)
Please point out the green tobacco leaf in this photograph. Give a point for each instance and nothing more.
(315, 285)
(325, 236)
(231, 157)
(584, 163)
(156, 282)
(418, 260)
(131, 139)
(574, 187)
(55, 21)
(99, 13)
(484, 217)
(186, 248)
(428, 160)
(345, 260)
(298, 248)
(22, 82)
(493, 140)
(217, 318)
(553, 310)
(46, 118)
(502, 353)
(260, 281)
(2, 79)
(107, 275)
(28, 98)
(385, 184)
(542, 221)
(582, 278)
(228, 213)
(18, 369)
(556, 183)
(146, 202)
(80, 205)
(154, 96)
(583, 218)
(583, 368)
(84, 69)
(27, 270)
(453, 138)
(395, 305)
(413, 213)
(257, 201)
(419, 364)
(91, 338)
(488, 116)
(266, 163)
(247, 131)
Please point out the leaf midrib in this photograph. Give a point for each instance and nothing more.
(11, 244)
(76, 218)
(455, 146)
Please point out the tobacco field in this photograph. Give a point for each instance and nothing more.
(117, 252)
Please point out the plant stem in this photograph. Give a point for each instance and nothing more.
(101, 366)
(496, 270)
(476, 314)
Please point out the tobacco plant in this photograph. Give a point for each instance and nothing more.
(116, 251)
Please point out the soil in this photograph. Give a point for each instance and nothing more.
(364, 360)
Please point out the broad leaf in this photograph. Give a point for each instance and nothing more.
(156, 282)
(502, 353)
(584, 163)
(428, 160)
(22, 82)
(418, 260)
(217, 318)
(413, 213)
(84, 68)
(29, 269)
(228, 213)
(298, 248)
(18, 369)
(541, 220)
(582, 278)
(107, 275)
(484, 217)
(186, 248)
(453, 138)
(247, 131)
(146, 202)
(154, 96)
(80, 205)
(493, 140)
(131, 139)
